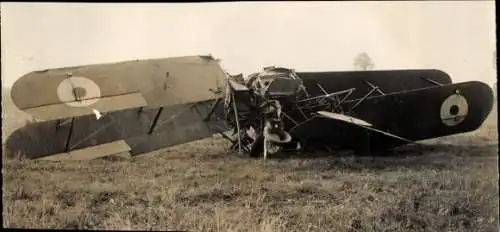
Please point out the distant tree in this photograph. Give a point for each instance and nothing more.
(363, 62)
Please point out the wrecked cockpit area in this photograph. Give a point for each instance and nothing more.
(254, 108)
(263, 108)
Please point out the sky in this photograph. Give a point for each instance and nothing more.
(456, 37)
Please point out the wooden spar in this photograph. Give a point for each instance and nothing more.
(237, 122)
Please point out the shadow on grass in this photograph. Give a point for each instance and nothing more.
(414, 156)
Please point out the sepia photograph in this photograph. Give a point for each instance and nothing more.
(250, 116)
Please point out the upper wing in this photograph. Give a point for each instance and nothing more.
(76, 91)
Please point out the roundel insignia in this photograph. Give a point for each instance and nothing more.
(454, 110)
(78, 92)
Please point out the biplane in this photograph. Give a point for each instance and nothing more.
(139, 106)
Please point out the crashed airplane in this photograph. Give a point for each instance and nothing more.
(135, 107)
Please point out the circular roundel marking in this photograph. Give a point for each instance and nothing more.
(454, 109)
(78, 92)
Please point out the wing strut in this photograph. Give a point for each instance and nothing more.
(157, 116)
(59, 123)
(93, 133)
(432, 81)
(69, 134)
(374, 88)
(237, 122)
(212, 110)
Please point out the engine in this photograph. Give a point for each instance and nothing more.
(254, 108)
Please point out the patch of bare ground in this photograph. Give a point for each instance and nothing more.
(449, 184)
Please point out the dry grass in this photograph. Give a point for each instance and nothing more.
(450, 185)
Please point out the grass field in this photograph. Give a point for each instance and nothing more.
(451, 184)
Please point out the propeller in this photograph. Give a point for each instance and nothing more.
(274, 134)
